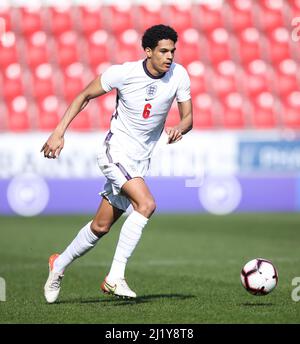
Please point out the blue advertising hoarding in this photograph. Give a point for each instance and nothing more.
(214, 172)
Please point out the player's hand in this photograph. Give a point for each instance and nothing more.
(174, 135)
(53, 146)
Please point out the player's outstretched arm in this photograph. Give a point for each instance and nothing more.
(185, 124)
(55, 142)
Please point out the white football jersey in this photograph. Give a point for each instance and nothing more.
(143, 102)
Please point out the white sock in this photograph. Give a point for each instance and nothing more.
(83, 242)
(130, 235)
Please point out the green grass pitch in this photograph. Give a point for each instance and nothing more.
(186, 269)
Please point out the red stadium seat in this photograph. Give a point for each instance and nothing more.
(83, 121)
(43, 81)
(264, 115)
(119, 17)
(224, 78)
(47, 120)
(257, 78)
(264, 118)
(271, 14)
(149, 14)
(18, 114)
(36, 49)
(49, 113)
(179, 16)
(60, 19)
(127, 47)
(31, 20)
(241, 14)
(90, 19)
(290, 113)
(294, 6)
(287, 77)
(218, 45)
(5, 18)
(248, 43)
(12, 82)
(189, 47)
(66, 48)
(73, 81)
(233, 115)
(211, 16)
(8, 50)
(197, 72)
(203, 111)
(241, 58)
(98, 49)
(278, 45)
(98, 69)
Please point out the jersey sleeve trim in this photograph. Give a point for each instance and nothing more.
(104, 85)
(185, 99)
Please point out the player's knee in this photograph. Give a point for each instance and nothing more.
(100, 228)
(147, 207)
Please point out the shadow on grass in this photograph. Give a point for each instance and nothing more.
(257, 304)
(116, 301)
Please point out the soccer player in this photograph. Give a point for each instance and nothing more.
(145, 92)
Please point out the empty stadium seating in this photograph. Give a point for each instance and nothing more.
(264, 111)
(118, 18)
(98, 47)
(248, 44)
(204, 111)
(232, 114)
(60, 19)
(179, 16)
(148, 14)
(8, 50)
(240, 14)
(224, 79)
(43, 81)
(5, 15)
(12, 82)
(243, 64)
(30, 20)
(73, 81)
(287, 77)
(271, 14)
(90, 19)
(36, 49)
(198, 74)
(290, 110)
(257, 78)
(19, 110)
(67, 46)
(48, 112)
(211, 17)
(125, 47)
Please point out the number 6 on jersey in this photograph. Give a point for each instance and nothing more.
(146, 112)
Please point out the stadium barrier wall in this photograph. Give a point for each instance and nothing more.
(216, 172)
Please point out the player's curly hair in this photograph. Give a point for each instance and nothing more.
(156, 33)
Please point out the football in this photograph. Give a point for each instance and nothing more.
(259, 276)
